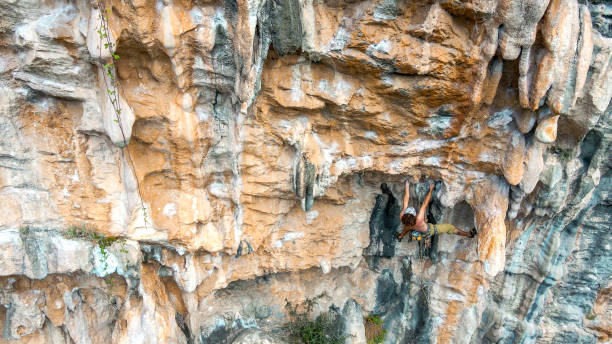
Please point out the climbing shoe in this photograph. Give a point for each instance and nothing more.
(472, 232)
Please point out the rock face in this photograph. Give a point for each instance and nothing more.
(260, 164)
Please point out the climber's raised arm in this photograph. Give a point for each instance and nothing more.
(423, 210)
(406, 198)
(416, 222)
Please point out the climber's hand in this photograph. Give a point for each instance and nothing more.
(431, 186)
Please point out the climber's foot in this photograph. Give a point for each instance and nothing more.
(472, 232)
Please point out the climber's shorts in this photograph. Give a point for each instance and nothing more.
(446, 228)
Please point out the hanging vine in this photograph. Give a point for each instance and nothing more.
(113, 86)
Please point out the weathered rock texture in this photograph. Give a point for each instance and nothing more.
(259, 133)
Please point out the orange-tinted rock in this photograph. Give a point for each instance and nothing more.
(554, 69)
(150, 316)
(534, 164)
(519, 21)
(525, 120)
(585, 52)
(546, 131)
(513, 167)
(490, 206)
(568, 23)
(598, 320)
(491, 82)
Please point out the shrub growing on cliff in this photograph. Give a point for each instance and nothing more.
(375, 333)
(74, 232)
(303, 329)
(113, 85)
(102, 241)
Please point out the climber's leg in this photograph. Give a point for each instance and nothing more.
(450, 229)
(431, 229)
(462, 233)
(446, 228)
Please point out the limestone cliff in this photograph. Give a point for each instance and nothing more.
(246, 174)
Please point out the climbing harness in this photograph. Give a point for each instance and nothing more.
(424, 241)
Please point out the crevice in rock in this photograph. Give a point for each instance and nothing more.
(384, 222)
(589, 146)
(304, 180)
(386, 292)
(180, 321)
(284, 25)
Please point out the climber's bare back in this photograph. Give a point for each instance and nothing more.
(420, 225)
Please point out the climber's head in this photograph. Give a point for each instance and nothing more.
(408, 220)
(409, 217)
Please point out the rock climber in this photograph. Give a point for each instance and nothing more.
(416, 222)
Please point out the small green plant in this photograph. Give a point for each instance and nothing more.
(79, 232)
(591, 316)
(375, 319)
(102, 241)
(375, 333)
(303, 329)
(563, 154)
(318, 331)
(108, 280)
(111, 80)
